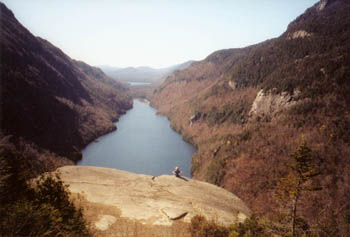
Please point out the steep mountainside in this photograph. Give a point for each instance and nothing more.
(50, 100)
(249, 109)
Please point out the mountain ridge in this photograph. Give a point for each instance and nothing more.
(43, 91)
(144, 73)
(299, 82)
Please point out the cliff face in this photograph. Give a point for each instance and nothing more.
(118, 203)
(248, 109)
(49, 99)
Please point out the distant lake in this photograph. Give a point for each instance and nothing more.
(144, 143)
(131, 83)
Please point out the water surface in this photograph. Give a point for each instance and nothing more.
(133, 83)
(144, 143)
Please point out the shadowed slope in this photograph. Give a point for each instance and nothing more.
(49, 99)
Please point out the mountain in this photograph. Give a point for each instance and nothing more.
(143, 74)
(108, 68)
(49, 101)
(247, 110)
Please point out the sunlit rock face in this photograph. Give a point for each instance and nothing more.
(114, 199)
(268, 103)
(322, 4)
(298, 34)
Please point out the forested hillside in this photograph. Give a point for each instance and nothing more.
(52, 106)
(251, 110)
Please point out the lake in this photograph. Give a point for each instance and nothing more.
(143, 143)
(133, 83)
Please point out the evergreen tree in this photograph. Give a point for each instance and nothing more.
(292, 187)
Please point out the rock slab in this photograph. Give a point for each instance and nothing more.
(152, 201)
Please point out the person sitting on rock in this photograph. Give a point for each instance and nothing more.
(177, 172)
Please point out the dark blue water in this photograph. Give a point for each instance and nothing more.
(144, 143)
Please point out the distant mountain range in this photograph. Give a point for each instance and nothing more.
(142, 74)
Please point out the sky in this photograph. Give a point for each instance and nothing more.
(155, 33)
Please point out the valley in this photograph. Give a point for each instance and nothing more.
(144, 143)
(50, 101)
(143, 74)
(248, 110)
(268, 123)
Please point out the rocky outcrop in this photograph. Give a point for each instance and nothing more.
(232, 84)
(268, 103)
(111, 197)
(323, 4)
(298, 34)
(195, 118)
(255, 159)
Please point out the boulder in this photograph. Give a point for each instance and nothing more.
(117, 202)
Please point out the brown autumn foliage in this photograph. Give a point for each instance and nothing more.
(247, 154)
(141, 92)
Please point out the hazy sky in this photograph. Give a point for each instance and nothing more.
(156, 33)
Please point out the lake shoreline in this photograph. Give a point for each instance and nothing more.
(158, 146)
